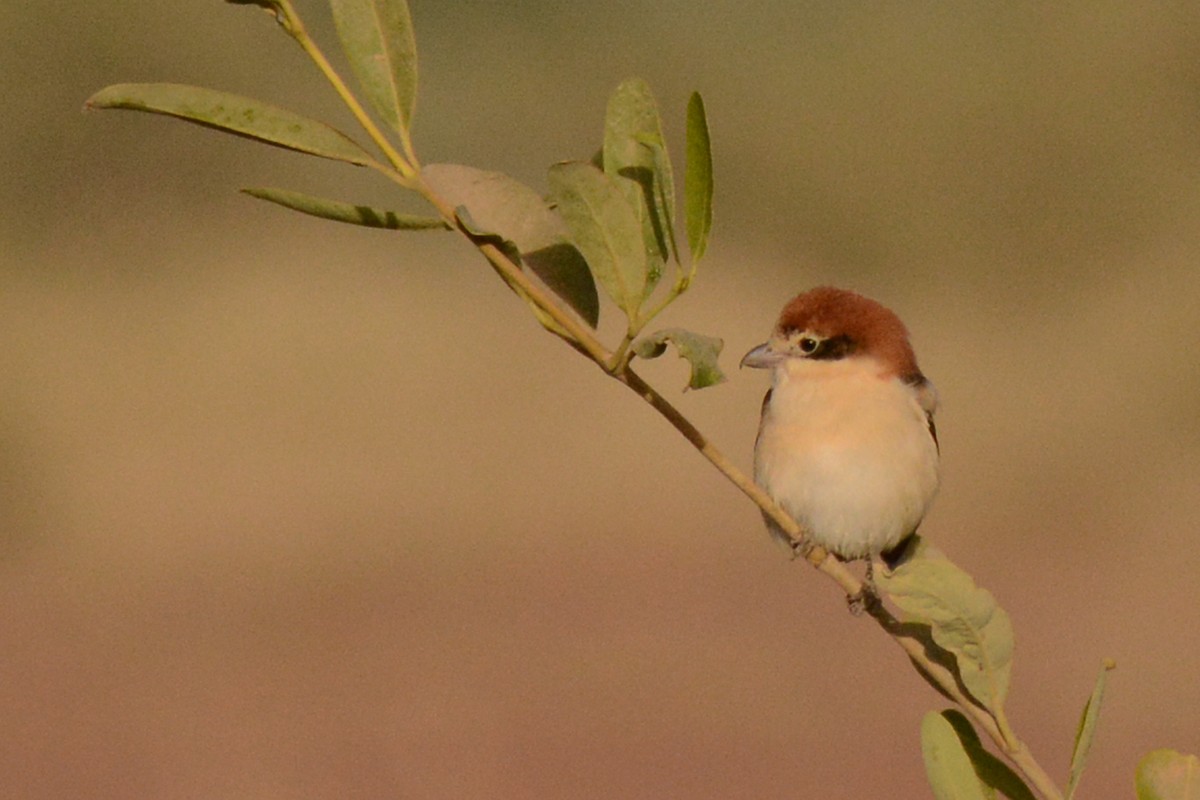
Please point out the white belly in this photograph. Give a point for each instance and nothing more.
(848, 454)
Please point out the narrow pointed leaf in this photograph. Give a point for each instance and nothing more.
(1168, 775)
(502, 206)
(964, 620)
(1087, 729)
(635, 154)
(377, 37)
(234, 114)
(996, 777)
(664, 195)
(605, 228)
(698, 179)
(701, 352)
(346, 212)
(947, 765)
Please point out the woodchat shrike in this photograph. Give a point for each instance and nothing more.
(847, 444)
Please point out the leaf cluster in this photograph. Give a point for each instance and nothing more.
(608, 222)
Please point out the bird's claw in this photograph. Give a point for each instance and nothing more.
(865, 599)
(801, 548)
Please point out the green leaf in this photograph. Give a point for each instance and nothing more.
(1168, 775)
(947, 765)
(698, 179)
(635, 154)
(1087, 729)
(605, 228)
(664, 195)
(377, 37)
(346, 212)
(700, 351)
(232, 113)
(513, 212)
(963, 619)
(993, 774)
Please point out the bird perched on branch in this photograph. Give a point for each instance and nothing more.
(847, 444)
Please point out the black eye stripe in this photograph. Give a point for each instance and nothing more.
(831, 349)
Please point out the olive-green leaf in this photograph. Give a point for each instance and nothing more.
(701, 352)
(1087, 729)
(235, 114)
(508, 209)
(605, 228)
(947, 765)
(994, 775)
(698, 179)
(635, 148)
(377, 37)
(963, 619)
(354, 214)
(1168, 775)
(635, 154)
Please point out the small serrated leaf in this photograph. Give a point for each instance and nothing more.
(605, 228)
(702, 353)
(964, 620)
(1087, 729)
(698, 179)
(503, 206)
(1168, 775)
(947, 765)
(377, 37)
(353, 214)
(242, 116)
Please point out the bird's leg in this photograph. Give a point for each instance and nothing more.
(801, 548)
(866, 598)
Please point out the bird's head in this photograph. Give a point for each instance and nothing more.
(829, 324)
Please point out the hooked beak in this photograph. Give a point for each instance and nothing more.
(762, 357)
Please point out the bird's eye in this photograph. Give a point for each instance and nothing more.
(808, 345)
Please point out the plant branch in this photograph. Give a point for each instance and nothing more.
(617, 365)
(584, 340)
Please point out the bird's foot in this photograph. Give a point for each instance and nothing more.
(801, 548)
(867, 597)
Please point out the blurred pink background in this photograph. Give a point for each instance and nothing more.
(297, 510)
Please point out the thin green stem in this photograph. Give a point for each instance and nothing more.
(406, 166)
(410, 154)
(622, 354)
(669, 298)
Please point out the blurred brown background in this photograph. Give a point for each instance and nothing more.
(296, 510)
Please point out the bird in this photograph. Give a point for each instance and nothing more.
(846, 443)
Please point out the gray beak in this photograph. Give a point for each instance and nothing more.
(762, 357)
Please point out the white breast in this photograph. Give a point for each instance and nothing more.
(847, 453)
